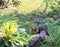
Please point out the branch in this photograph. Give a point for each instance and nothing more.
(5, 5)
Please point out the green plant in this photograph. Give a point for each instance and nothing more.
(54, 32)
(10, 37)
(6, 18)
(16, 2)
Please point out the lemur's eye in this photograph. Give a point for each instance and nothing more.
(38, 23)
(35, 21)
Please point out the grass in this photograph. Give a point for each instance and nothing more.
(30, 10)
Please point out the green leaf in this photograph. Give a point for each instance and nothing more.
(1, 44)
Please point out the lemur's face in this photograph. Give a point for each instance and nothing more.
(39, 27)
(35, 30)
(37, 22)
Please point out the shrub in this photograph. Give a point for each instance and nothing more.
(10, 37)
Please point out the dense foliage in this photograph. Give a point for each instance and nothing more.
(18, 16)
(54, 32)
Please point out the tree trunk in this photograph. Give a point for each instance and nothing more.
(38, 40)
